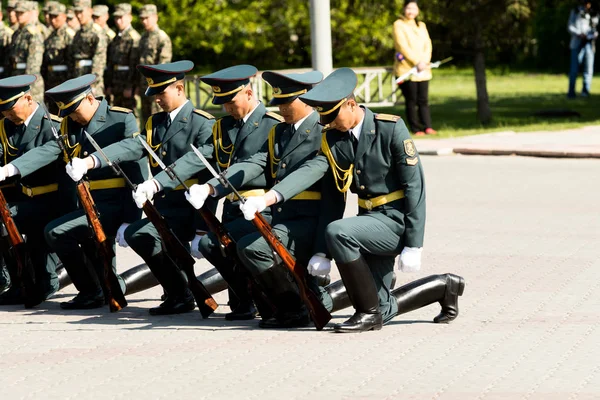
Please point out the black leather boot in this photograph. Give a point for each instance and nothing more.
(138, 278)
(63, 277)
(240, 298)
(278, 285)
(179, 298)
(444, 289)
(362, 291)
(339, 296)
(213, 281)
(86, 282)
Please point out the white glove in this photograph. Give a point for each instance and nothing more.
(120, 238)
(195, 247)
(197, 195)
(410, 259)
(3, 173)
(319, 265)
(144, 192)
(76, 168)
(252, 205)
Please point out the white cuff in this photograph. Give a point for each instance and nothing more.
(96, 161)
(215, 193)
(278, 195)
(159, 187)
(11, 170)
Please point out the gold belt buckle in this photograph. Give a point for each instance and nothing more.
(369, 205)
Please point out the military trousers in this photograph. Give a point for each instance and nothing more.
(31, 216)
(70, 236)
(297, 236)
(349, 238)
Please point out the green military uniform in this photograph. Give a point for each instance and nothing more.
(55, 65)
(384, 169)
(26, 52)
(122, 59)
(170, 139)
(300, 224)
(33, 200)
(5, 40)
(69, 235)
(234, 141)
(154, 48)
(88, 50)
(99, 11)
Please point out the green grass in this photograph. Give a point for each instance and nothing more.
(514, 98)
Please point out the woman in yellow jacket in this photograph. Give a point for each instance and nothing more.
(413, 49)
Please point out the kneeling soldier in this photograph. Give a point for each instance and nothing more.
(69, 234)
(373, 156)
(33, 200)
(170, 133)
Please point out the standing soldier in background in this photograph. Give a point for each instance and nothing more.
(35, 19)
(88, 50)
(55, 66)
(5, 39)
(122, 59)
(155, 48)
(27, 49)
(72, 21)
(100, 16)
(12, 15)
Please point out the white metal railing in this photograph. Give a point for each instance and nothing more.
(376, 88)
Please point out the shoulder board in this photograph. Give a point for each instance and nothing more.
(31, 29)
(274, 116)
(70, 31)
(204, 114)
(55, 118)
(134, 34)
(387, 117)
(163, 34)
(111, 34)
(97, 27)
(121, 109)
(10, 31)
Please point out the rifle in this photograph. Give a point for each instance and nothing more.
(228, 245)
(174, 248)
(414, 70)
(25, 271)
(114, 294)
(318, 312)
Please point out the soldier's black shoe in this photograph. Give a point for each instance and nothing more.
(455, 286)
(360, 322)
(175, 305)
(323, 280)
(243, 312)
(286, 320)
(83, 302)
(4, 287)
(11, 297)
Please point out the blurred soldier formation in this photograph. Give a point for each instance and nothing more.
(77, 40)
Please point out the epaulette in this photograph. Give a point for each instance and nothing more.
(163, 34)
(10, 31)
(97, 27)
(204, 114)
(134, 34)
(55, 118)
(31, 29)
(111, 34)
(71, 32)
(274, 116)
(387, 117)
(121, 109)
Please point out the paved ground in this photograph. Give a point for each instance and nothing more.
(574, 143)
(524, 233)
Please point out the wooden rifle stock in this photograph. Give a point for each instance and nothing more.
(25, 271)
(115, 296)
(182, 258)
(317, 310)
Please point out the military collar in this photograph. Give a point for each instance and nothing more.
(358, 128)
(99, 117)
(28, 120)
(247, 117)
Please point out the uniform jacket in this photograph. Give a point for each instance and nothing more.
(90, 43)
(281, 156)
(232, 144)
(413, 42)
(385, 161)
(154, 48)
(108, 125)
(56, 53)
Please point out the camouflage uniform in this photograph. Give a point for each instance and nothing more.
(42, 28)
(99, 11)
(88, 50)
(122, 59)
(26, 52)
(155, 48)
(5, 39)
(55, 66)
(72, 20)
